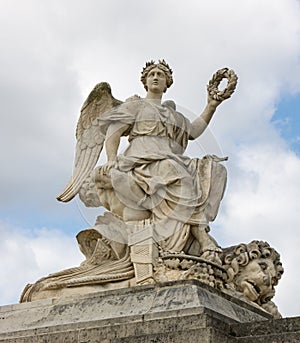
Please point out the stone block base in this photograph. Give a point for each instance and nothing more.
(179, 311)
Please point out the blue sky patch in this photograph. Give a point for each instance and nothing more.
(287, 120)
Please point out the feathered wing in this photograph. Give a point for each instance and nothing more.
(90, 138)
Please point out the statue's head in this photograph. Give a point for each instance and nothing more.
(162, 65)
(253, 269)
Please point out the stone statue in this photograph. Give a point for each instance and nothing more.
(160, 201)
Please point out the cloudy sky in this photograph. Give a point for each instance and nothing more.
(52, 55)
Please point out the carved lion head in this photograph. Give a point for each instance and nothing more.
(253, 269)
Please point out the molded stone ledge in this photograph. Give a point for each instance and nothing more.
(144, 310)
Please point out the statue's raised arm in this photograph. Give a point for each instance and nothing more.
(214, 98)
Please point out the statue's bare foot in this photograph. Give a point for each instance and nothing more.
(209, 248)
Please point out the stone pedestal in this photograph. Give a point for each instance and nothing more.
(179, 311)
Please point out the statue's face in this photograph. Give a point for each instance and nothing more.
(256, 280)
(156, 81)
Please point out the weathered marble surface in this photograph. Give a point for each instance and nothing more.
(152, 301)
(179, 311)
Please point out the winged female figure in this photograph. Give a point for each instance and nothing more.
(152, 179)
(152, 187)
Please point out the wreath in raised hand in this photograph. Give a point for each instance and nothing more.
(216, 79)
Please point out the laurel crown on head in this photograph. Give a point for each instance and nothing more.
(163, 65)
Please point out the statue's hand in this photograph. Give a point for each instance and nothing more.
(213, 103)
(107, 167)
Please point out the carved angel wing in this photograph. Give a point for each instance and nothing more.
(90, 138)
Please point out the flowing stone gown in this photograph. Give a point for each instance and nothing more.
(178, 191)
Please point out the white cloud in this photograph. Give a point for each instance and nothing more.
(26, 256)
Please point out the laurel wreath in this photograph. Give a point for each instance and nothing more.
(216, 79)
